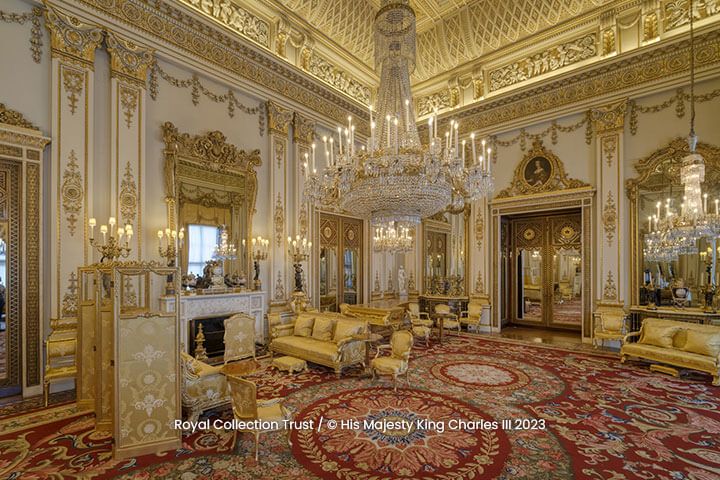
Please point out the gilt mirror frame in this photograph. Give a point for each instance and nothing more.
(224, 167)
(655, 173)
(440, 223)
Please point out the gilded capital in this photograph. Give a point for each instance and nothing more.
(609, 117)
(279, 118)
(303, 129)
(127, 59)
(72, 39)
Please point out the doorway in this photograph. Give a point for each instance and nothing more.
(340, 261)
(545, 270)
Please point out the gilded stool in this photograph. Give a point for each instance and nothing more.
(290, 364)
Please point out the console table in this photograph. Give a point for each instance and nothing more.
(193, 307)
(695, 315)
(457, 304)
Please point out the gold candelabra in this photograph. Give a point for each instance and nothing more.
(299, 249)
(169, 244)
(112, 246)
(260, 247)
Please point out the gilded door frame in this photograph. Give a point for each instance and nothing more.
(582, 198)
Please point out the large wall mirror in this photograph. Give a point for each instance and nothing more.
(445, 241)
(211, 187)
(340, 261)
(659, 180)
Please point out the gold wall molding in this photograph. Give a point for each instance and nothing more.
(539, 63)
(549, 181)
(303, 130)
(128, 60)
(70, 298)
(171, 25)
(445, 98)
(479, 227)
(279, 220)
(479, 284)
(609, 148)
(609, 218)
(338, 78)
(33, 17)
(279, 288)
(73, 83)
(675, 12)
(129, 102)
(72, 39)
(279, 118)
(678, 99)
(197, 88)
(128, 197)
(11, 150)
(657, 62)
(610, 290)
(73, 193)
(608, 118)
(13, 117)
(236, 18)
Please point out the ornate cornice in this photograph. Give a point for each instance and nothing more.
(172, 26)
(279, 118)
(72, 39)
(615, 75)
(609, 117)
(128, 60)
(12, 117)
(303, 129)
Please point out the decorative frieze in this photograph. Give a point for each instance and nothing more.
(236, 18)
(610, 290)
(676, 13)
(445, 98)
(543, 62)
(338, 78)
(279, 220)
(128, 197)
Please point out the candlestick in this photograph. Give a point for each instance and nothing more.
(716, 206)
(457, 125)
(472, 140)
(489, 161)
(332, 151)
(340, 140)
(463, 152)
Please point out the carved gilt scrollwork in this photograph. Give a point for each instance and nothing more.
(128, 195)
(279, 118)
(72, 39)
(129, 60)
(279, 220)
(303, 129)
(73, 82)
(609, 218)
(12, 117)
(72, 192)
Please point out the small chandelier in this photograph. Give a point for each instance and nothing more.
(225, 250)
(679, 230)
(394, 178)
(393, 238)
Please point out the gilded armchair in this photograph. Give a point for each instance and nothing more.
(247, 408)
(397, 362)
(203, 386)
(450, 320)
(417, 317)
(609, 326)
(239, 337)
(472, 317)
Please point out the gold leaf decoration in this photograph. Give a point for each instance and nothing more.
(72, 192)
(128, 195)
(609, 218)
(73, 83)
(128, 101)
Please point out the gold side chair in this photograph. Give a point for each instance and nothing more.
(609, 326)
(58, 352)
(247, 408)
(397, 362)
(472, 317)
(450, 320)
(417, 317)
(239, 337)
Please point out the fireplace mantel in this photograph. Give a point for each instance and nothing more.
(203, 306)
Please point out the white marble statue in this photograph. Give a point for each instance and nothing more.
(402, 284)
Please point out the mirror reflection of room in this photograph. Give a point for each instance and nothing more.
(3, 303)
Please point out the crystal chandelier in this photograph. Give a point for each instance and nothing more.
(678, 232)
(225, 250)
(393, 238)
(395, 179)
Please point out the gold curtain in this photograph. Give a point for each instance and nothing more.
(194, 213)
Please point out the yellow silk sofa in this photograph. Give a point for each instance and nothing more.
(681, 344)
(325, 338)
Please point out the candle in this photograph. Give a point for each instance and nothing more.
(472, 140)
(435, 123)
(457, 125)
(103, 230)
(430, 130)
(339, 140)
(332, 151)
(352, 140)
(120, 233)
(371, 145)
(92, 222)
(111, 221)
(489, 161)
(463, 152)
(705, 203)
(649, 223)
(716, 206)
(305, 165)
(327, 158)
(160, 234)
(447, 141)
(313, 157)
(658, 208)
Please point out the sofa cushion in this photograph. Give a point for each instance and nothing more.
(323, 329)
(702, 343)
(304, 325)
(658, 335)
(306, 348)
(347, 328)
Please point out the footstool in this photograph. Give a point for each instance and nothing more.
(290, 364)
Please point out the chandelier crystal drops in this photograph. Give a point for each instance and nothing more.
(393, 238)
(395, 179)
(678, 232)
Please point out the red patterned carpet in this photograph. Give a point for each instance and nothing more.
(602, 420)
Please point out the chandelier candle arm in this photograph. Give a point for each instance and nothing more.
(112, 246)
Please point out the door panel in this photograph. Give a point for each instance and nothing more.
(341, 246)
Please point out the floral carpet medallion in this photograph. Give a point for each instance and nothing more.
(572, 415)
(380, 434)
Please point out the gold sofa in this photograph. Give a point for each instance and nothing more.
(380, 318)
(203, 388)
(681, 344)
(324, 338)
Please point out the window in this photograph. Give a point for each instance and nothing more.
(202, 240)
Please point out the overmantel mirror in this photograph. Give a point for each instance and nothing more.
(211, 187)
(445, 240)
(653, 281)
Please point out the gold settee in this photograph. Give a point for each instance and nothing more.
(324, 338)
(681, 344)
(204, 386)
(391, 317)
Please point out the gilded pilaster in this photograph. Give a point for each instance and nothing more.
(129, 64)
(478, 247)
(303, 136)
(279, 120)
(609, 122)
(73, 45)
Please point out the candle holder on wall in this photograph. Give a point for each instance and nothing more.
(299, 250)
(112, 246)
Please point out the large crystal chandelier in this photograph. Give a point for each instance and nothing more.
(395, 179)
(678, 231)
(393, 238)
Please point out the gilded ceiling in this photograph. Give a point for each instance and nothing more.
(450, 32)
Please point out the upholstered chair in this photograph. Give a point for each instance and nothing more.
(450, 320)
(60, 364)
(472, 317)
(396, 363)
(239, 337)
(203, 386)
(417, 317)
(609, 326)
(247, 408)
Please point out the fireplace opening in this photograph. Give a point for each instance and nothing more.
(214, 331)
